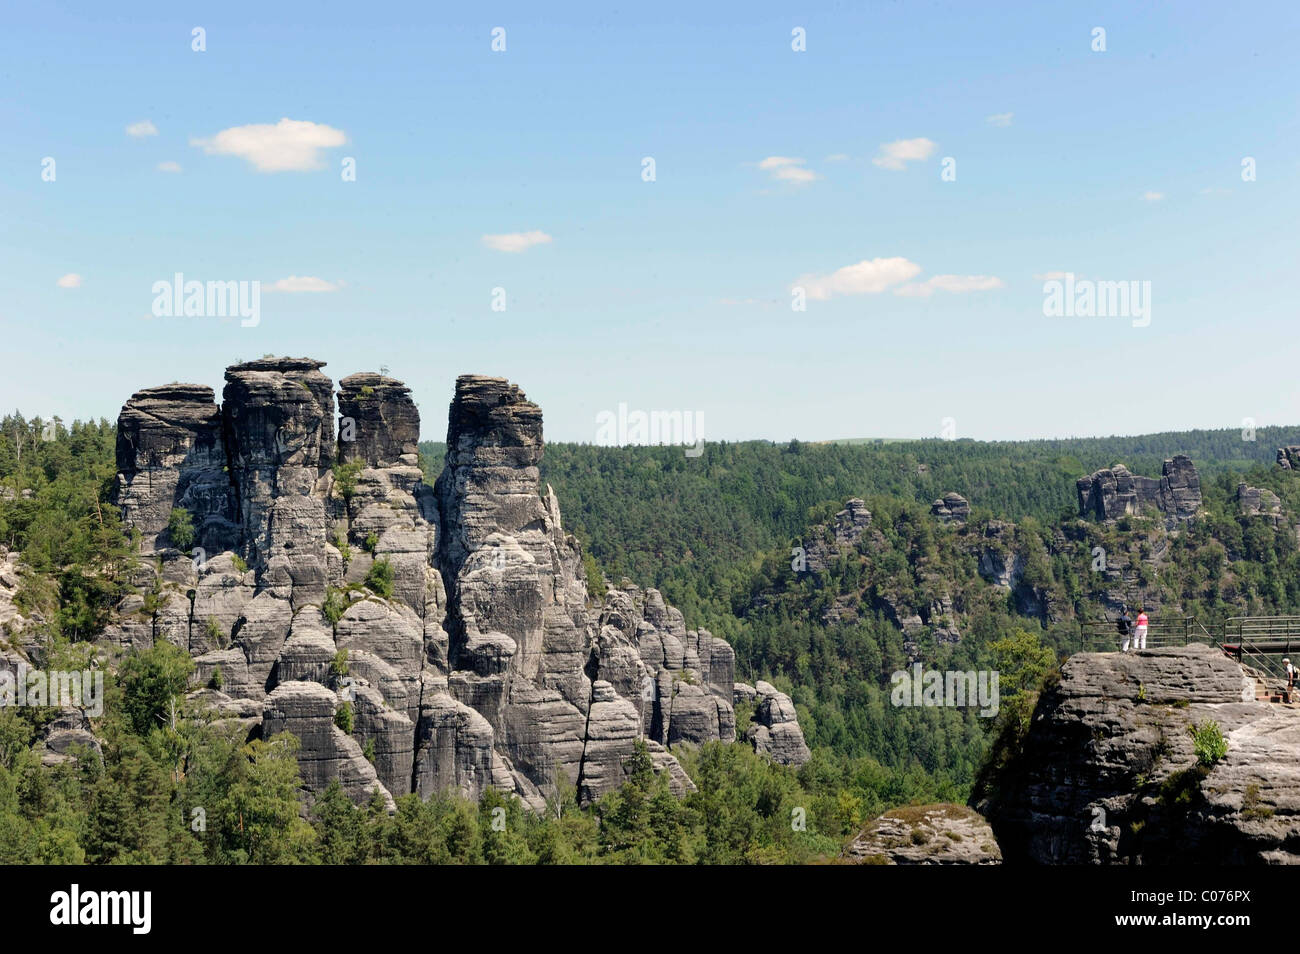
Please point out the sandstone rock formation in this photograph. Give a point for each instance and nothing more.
(827, 542)
(1115, 492)
(775, 728)
(1108, 774)
(1259, 502)
(452, 622)
(1288, 458)
(12, 621)
(951, 508)
(926, 835)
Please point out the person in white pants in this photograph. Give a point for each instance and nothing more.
(1141, 633)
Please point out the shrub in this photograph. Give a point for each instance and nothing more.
(339, 664)
(372, 541)
(380, 578)
(240, 564)
(180, 529)
(343, 717)
(1208, 743)
(215, 681)
(345, 478)
(336, 604)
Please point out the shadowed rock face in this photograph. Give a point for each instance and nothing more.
(379, 423)
(485, 664)
(1108, 772)
(1115, 492)
(170, 454)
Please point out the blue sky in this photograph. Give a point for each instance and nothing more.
(676, 293)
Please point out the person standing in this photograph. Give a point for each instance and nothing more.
(1141, 641)
(1125, 626)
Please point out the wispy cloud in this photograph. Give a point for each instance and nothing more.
(838, 157)
(1152, 196)
(1053, 276)
(516, 241)
(788, 169)
(895, 155)
(141, 129)
(999, 119)
(304, 283)
(868, 277)
(291, 145)
(956, 284)
(169, 166)
(70, 280)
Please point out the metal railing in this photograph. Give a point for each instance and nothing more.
(1104, 636)
(1263, 641)
(1259, 641)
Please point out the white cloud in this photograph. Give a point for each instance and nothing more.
(141, 129)
(306, 283)
(957, 284)
(70, 280)
(788, 169)
(999, 119)
(1153, 196)
(868, 277)
(896, 155)
(291, 145)
(169, 166)
(516, 241)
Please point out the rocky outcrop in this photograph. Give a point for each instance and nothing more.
(12, 622)
(378, 421)
(951, 508)
(926, 835)
(170, 453)
(775, 730)
(1115, 492)
(1108, 773)
(414, 638)
(1288, 458)
(827, 542)
(1258, 502)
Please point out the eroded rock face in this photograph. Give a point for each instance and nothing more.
(170, 454)
(775, 728)
(926, 835)
(1259, 502)
(1108, 772)
(850, 525)
(951, 508)
(1115, 492)
(452, 623)
(379, 423)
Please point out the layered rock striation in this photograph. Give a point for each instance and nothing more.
(453, 622)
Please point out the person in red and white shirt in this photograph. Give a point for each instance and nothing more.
(1141, 632)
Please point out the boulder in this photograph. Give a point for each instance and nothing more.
(926, 835)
